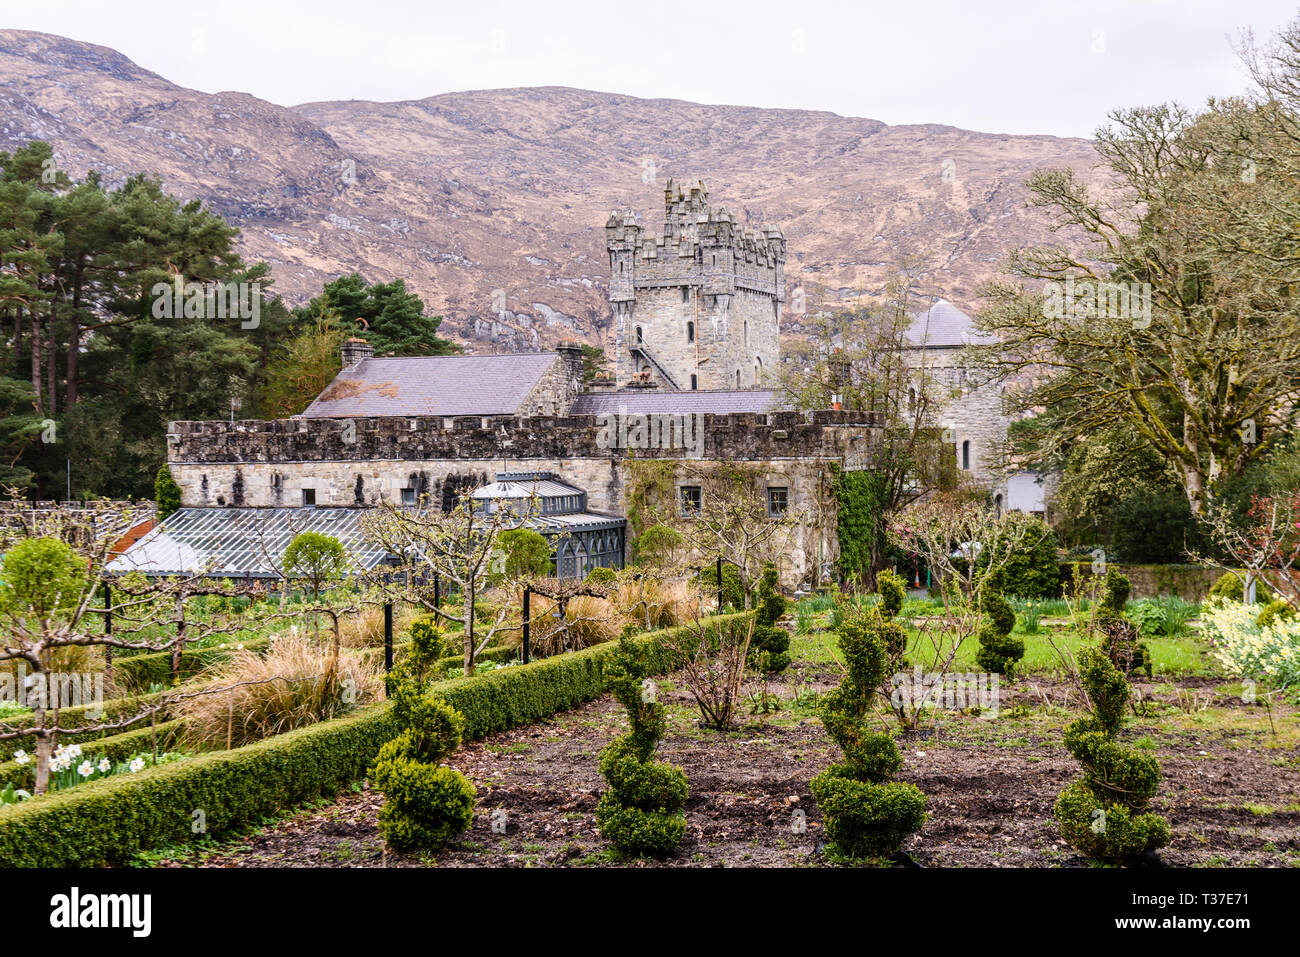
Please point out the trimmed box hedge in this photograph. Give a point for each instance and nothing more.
(108, 821)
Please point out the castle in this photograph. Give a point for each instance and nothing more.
(698, 307)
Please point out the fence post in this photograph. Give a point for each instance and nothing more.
(388, 629)
(108, 628)
(719, 584)
(437, 596)
(527, 614)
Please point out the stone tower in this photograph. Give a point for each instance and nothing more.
(699, 307)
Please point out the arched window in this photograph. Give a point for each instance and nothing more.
(965, 454)
(690, 331)
(997, 503)
(638, 334)
(694, 384)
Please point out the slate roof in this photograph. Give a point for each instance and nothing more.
(943, 325)
(650, 402)
(432, 385)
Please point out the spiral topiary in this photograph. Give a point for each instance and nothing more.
(641, 813)
(1119, 634)
(426, 804)
(999, 651)
(769, 648)
(865, 813)
(1102, 813)
(892, 592)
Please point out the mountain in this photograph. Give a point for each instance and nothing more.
(492, 204)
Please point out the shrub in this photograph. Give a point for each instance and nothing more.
(641, 813)
(42, 578)
(769, 648)
(525, 554)
(1101, 813)
(657, 546)
(1278, 610)
(601, 576)
(426, 804)
(1031, 570)
(1233, 587)
(166, 493)
(293, 685)
(866, 814)
(999, 650)
(1120, 635)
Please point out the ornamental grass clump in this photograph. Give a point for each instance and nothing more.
(641, 813)
(1119, 634)
(1102, 813)
(866, 814)
(426, 804)
(769, 648)
(999, 651)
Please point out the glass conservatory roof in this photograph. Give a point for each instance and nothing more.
(240, 542)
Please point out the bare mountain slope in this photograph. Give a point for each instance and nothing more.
(492, 203)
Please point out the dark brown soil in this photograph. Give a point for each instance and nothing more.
(1231, 789)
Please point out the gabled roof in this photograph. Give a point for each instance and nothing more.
(653, 401)
(943, 325)
(432, 385)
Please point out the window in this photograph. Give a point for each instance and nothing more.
(694, 383)
(690, 332)
(686, 293)
(638, 333)
(965, 454)
(778, 500)
(308, 496)
(408, 496)
(737, 378)
(691, 499)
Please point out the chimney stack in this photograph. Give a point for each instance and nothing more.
(571, 353)
(354, 350)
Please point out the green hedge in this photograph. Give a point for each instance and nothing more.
(71, 721)
(142, 671)
(107, 822)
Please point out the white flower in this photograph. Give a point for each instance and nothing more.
(137, 764)
(21, 756)
(85, 770)
(105, 765)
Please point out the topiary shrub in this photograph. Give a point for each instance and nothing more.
(999, 650)
(769, 648)
(1233, 587)
(865, 813)
(1120, 635)
(892, 592)
(1101, 813)
(641, 813)
(426, 804)
(601, 576)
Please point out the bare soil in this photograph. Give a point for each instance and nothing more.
(1231, 787)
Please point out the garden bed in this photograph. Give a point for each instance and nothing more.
(1231, 789)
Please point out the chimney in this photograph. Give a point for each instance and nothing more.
(571, 353)
(354, 350)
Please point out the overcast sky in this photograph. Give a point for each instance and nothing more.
(1008, 66)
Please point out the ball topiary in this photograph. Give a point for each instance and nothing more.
(1119, 634)
(999, 650)
(426, 804)
(1277, 610)
(641, 813)
(1233, 587)
(1102, 813)
(769, 648)
(601, 576)
(865, 813)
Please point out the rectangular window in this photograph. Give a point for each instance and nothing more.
(308, 496)
(778, 500)
(691, 499)
(408, 496)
